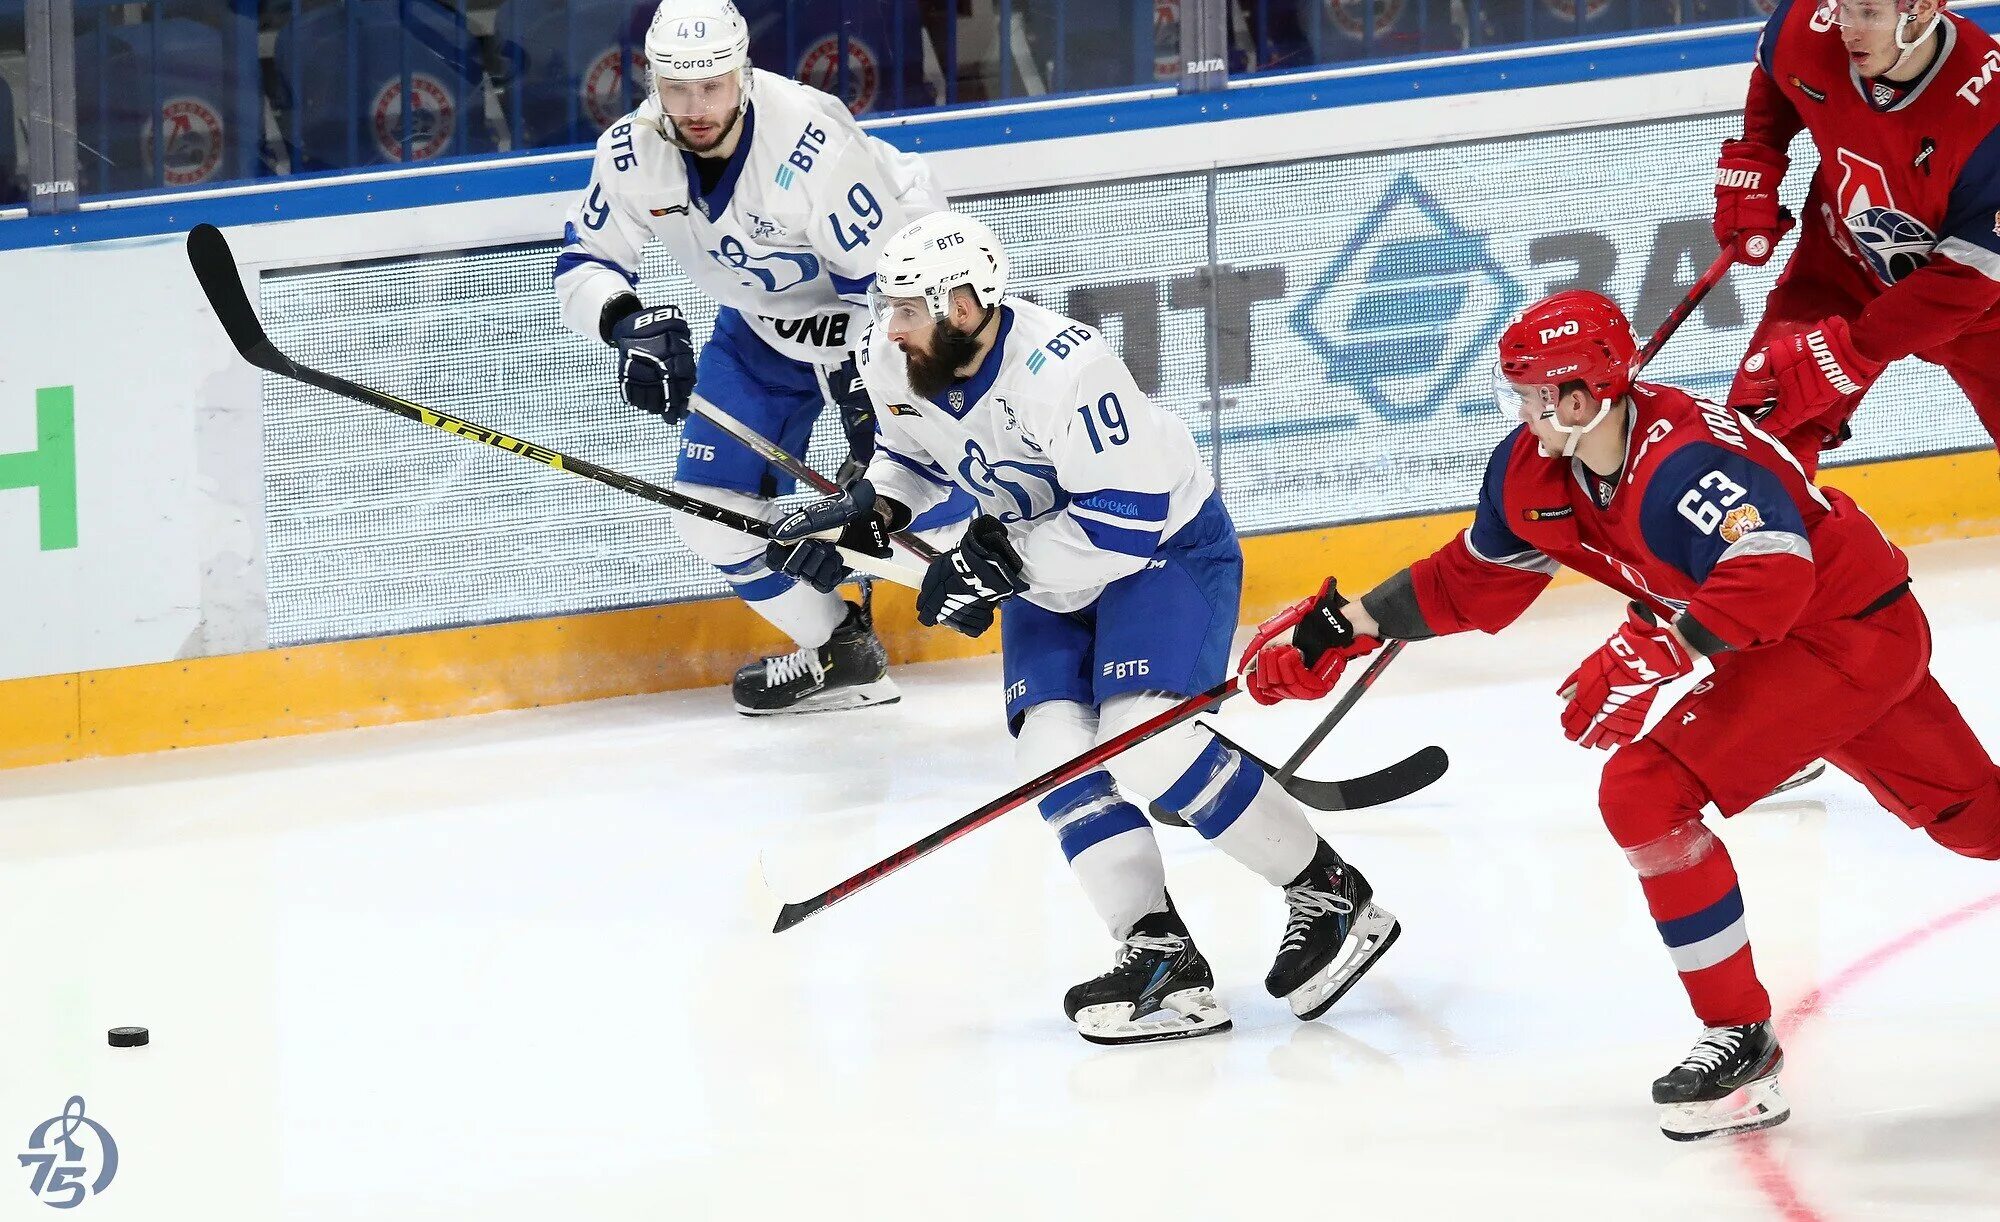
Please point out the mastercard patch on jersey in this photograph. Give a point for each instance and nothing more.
(1740, 521)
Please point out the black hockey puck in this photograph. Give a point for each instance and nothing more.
(129, 1037)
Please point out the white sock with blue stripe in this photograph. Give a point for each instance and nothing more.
(794, 608)
(1225, 797)
(1108, 841)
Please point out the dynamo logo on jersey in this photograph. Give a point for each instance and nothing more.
(1407, 311)
(772, 273)
(1023, 491)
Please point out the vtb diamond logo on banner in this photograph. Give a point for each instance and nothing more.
(1409, 312)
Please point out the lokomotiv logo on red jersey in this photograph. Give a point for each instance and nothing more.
(1891, 241)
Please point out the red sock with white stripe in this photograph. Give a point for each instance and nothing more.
(1699, 911)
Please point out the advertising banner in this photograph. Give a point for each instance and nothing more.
(100, 556)
(1325, 327)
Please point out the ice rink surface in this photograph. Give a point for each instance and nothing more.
(519, 967)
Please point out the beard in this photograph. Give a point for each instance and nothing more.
(692, 145)
(933, 370)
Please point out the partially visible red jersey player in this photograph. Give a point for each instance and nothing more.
(1899, 249)
(1726, 550)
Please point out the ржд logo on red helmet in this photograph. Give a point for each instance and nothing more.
(1572, 336)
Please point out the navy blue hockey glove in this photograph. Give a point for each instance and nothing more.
(963, 587)
(857, 419)
(655, 361)
(865, 527)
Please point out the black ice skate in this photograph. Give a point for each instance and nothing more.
(1160, 989)
(1335, 934)
(1727, 1083)
(850, 671)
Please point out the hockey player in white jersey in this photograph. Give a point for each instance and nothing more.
(774, 202)
(1101, 531)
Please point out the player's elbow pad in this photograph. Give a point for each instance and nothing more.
(1456, 591)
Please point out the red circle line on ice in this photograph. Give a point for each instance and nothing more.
(1764, 1166)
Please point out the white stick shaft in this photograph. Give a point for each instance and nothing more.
(886, 568)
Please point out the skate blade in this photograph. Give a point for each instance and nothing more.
(1755, 1105)
(1183, 1015)
(1804, 776)
(1374, 932)
(866, 695)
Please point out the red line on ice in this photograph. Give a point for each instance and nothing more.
(1760, 1161)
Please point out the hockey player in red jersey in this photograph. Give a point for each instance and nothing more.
(1899, 249)
(1727, 551)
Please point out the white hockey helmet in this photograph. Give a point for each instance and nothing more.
(698, 40)
(938, 252)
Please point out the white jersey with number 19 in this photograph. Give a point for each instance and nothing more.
(1052, 437)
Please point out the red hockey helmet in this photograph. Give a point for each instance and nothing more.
(1577, 336)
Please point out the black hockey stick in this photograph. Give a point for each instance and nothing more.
(215, 267)
(1699, 290)
(768, 450)
(1395, 781)
(1339, 711)
(1399, 780)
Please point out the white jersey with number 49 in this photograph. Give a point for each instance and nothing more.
(789, 235)
(1053, 438)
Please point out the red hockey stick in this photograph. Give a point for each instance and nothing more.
(792, 914)
(1709, 279)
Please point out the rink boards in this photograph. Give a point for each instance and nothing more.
(251, 558)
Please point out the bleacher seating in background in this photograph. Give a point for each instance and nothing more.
(11, 187)
(157, 102)
(234, 89)
(571, 66)
(373, 82)
(885, 49)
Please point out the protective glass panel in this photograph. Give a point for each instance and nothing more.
(1364, 387)
(169, 96)
(13, 104)
(1346, 330)
(376, 524)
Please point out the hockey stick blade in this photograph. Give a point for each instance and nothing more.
(1804, 776)
(1398, 780)
(215, 267)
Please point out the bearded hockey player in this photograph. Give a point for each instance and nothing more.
(1899, 251)
(774, 203)
(1101, 531)
(1727, 551)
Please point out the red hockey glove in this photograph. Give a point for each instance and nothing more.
(1806, 374)
(1746, 199)
(1307, 666)
(1611, 693)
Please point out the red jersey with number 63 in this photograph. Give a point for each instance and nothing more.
(1908, 184)
(1707, 516)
